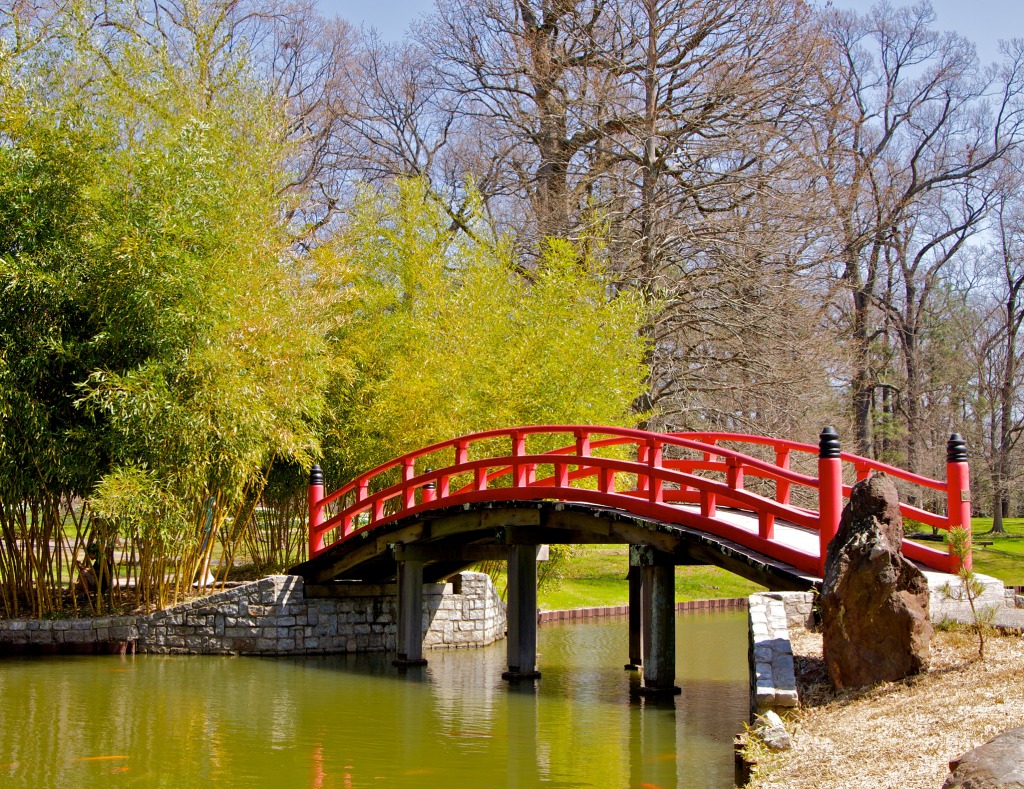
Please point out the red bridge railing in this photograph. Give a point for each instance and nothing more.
(646, 474)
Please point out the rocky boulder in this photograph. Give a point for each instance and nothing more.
(874, 602)
(998, 764)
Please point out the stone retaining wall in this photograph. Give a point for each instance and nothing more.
(772, 673)
(771, 614)
(272, 616)
(945, 605)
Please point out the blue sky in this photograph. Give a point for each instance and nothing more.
(983, 21)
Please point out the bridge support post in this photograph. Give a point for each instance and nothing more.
(636, 654)
(830, 492)
(958, 494)
(410, 614)
(316, 510)
(522, 613)
(659, 623)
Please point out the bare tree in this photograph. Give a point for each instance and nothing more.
(523, 69)
(912, 125)
(999, 355)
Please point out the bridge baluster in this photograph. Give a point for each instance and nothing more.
(656, 491)
(643, 482)
(782, 486)
(958, 492)
(519, 472)
(409, 493)
(429, 489)
(316, 510)
(708, 503)
(830, 491)
(480, 478)
(561, 474)
(734, 474)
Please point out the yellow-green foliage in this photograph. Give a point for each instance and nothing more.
(165, 351)
(446, 338)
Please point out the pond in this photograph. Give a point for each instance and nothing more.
(354, 721)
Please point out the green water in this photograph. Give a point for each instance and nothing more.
(354, 721)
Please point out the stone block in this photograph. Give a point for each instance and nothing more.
(242, 632)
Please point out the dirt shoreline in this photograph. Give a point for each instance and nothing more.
(900, 735)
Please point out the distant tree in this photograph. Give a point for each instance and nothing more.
(908, 131)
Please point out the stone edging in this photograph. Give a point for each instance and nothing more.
(720, 604)
(772, 672)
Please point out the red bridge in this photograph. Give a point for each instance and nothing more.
(746, 503)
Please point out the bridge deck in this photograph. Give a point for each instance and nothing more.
(788, 534)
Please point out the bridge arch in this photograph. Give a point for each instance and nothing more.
(677, 497)
(453, 538)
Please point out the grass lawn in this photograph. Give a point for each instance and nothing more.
(596, 576)
(1004, 558)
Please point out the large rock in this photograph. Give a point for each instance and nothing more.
(874, 602)
(998, 764)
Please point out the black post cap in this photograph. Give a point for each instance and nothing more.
(316, 475)
(430, 485)
(828, 443)
(956, 449)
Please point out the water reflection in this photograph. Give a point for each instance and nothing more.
(353, 721)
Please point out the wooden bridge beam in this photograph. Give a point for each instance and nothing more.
(522, 613)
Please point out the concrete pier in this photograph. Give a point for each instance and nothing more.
(522, 613)
(658, 623)
(636, 654)
(410, 614)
